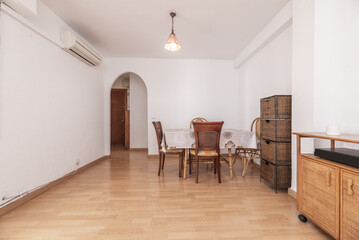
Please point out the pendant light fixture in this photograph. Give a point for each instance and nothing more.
(172, 43)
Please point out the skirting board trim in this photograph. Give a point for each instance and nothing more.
(28, 197)
(292, 193)
(256, 165)
(138, 149)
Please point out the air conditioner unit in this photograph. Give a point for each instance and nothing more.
(24, 7)
(79, 49)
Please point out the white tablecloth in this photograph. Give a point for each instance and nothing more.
(230, 138)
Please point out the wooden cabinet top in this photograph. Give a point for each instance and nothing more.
(352, 138)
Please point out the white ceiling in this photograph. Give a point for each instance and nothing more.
(209, 29)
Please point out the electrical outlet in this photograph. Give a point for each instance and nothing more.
(77, 162)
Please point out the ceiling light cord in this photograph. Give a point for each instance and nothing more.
(173, 14)
(173, 32)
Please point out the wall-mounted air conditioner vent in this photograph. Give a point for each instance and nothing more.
(23, 7)
(79, 49)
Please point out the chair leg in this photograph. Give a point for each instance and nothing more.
(163, 161)
(190, 165)
(197, 169)
(214, 165)
(180, 158)
(219, 168)
(245, 165)
(248, 159)
(159, 164)
(184, 161)
(235, 155)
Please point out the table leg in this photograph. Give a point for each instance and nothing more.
(245, 164)
(185, 163)
(230, 162)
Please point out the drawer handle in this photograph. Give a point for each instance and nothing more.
(267, 121)
(268, 142)
(267, 100)
(350, 187)
(327, 178)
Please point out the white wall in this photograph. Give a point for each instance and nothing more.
(336, 65)
(179, 90)
(119, 84)
(51, 108)
(302, 77)
(267, 73)
(325, 68)
(138, 113)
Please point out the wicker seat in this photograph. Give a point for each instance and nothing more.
(249, 154)
(203, 153)
(164, 151)
(171, 150)
(207, 136)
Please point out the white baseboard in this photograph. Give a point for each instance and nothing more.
(292, 193)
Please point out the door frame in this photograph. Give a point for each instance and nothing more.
(127, 117)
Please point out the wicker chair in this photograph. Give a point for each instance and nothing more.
(207, 136)
(249, 154)
(197, 119)
(164, 151)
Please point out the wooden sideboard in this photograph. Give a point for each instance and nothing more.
(328, 192)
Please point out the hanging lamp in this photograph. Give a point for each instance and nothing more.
(172, 43)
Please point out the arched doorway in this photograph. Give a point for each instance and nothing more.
(129, 112)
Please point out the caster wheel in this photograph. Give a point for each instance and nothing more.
(302, 218)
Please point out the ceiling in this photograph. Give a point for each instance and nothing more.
(207, 29)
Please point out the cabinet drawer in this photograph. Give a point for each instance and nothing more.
(350, 206)
(276, 129)
(279, 106)
(273, 174)
(276, 152)
(267, 172)
(319, 194)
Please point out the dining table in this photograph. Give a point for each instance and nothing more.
(230, 139)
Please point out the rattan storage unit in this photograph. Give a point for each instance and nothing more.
(327, 191)
(276, 129)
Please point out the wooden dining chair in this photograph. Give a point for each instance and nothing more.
(249, 154)
(207, 135)
(197, 119)
(163, 151)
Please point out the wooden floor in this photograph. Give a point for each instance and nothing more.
(122, 198)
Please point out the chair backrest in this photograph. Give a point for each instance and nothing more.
(197, 119)
(207, 135)
(159, 133)
(257, 124)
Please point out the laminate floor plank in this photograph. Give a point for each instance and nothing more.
(123, 198)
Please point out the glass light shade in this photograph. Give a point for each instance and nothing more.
(172, 43)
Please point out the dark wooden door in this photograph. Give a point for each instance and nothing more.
(118, 110)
